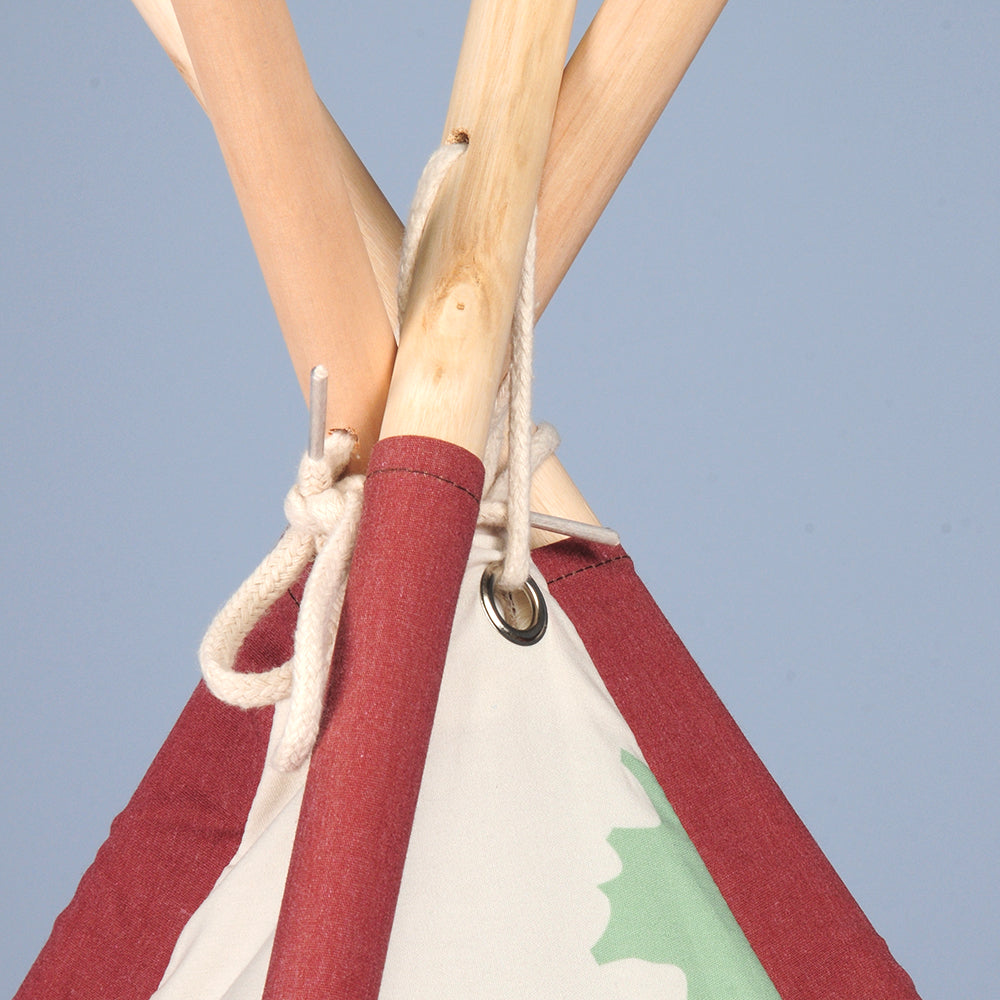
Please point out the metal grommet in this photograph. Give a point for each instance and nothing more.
(525, 606)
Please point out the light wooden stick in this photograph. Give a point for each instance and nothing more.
(454, 336)
(273, 134)
(655, 53)
(380, 227)
(620, 78)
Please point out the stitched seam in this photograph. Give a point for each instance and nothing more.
(585, 569)
(430, 475)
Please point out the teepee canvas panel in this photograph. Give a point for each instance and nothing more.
(544, 855)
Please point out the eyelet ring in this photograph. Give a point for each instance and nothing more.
(527, 601)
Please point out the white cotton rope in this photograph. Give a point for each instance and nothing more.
(431, 179)
(324, 507)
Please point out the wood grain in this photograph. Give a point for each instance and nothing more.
(455, 334)
(275, 139)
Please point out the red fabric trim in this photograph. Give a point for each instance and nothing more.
(806, 928)
(420, 509)
(169, 845)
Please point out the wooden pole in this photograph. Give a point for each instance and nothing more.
(648, 43)
(620, 78)
(274, 136)
(380, 227)
(454, 337)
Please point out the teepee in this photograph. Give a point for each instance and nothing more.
(450, 771)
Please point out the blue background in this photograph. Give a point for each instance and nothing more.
(775, 367)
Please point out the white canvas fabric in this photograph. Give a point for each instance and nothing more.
(511, 887)
(224, 949)
(522, 785)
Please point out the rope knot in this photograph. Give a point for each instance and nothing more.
(316, 503)
(323, 510)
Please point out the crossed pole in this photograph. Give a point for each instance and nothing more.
(328, 241)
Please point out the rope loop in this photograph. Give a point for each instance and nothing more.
(323, 510)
